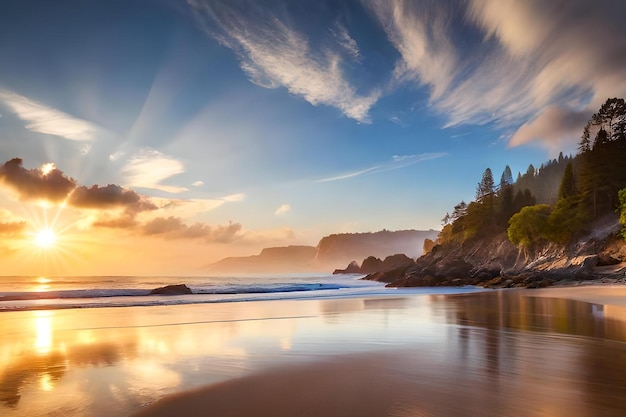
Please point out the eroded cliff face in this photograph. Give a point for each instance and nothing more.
(495, 262)
(340, 249)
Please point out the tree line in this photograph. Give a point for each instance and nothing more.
(556, 202)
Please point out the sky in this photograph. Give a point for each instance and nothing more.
(158, 136)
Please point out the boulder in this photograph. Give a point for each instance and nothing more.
(352, 268)
(176, 289)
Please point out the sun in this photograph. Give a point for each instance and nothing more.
(45, 238)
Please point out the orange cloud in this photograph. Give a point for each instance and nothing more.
(174, 228)
(110, 196)
(32, 184)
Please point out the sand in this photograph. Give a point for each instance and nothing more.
(492, 353)
(518, 363)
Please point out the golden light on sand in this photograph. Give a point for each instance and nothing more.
(45, 238)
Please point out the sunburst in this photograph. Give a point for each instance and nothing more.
(45, 238)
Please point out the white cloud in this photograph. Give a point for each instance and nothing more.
(397, 162)
(197, 184)
(233, 198)
(350, 174)
(273, 54)
(535, 56)
(116, 155)
(47, 120)
(149, 168)
(282, 210)
(85, 149)
(346, 41)
(187, 208)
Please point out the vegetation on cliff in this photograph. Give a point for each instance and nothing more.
(557, 202)
(554, 222)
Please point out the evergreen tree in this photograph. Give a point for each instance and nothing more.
(485, 186)
(568, 185)
(507, 177)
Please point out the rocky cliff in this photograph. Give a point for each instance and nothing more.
(495, 262)
(332, 252)
(340, 249)
(278, 259)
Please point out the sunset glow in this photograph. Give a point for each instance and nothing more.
(45, 238)
(228, 127)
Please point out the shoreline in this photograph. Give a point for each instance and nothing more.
(379, 383)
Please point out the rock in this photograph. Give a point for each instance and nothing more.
(371, 264)
(177, 289)
(396, 261)
(352, 268)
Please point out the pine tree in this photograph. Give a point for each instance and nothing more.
(568, 185)
(485, 186)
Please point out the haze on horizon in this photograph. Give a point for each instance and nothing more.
(156, 137)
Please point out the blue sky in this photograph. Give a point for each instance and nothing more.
(296, 119)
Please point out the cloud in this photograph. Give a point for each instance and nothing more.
(197, 184)
(174, 228)
(350, 174)
(47, 183)
(340, 33)
(11, 228)
(47, 120)
(109, 197)
(282, 210)
(397, 162)
(555, 126)
(149, 168)
(419, 33)
(273, 54)
(534, 56)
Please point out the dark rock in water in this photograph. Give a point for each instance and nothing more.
(177, 289)
(353, 268)
(371, 264)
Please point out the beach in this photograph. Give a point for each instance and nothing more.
(549, 352)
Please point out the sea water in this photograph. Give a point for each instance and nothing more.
(39, 293)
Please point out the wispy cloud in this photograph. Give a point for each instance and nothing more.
(44, 119)
(350, 174)
(282, 210)
(149, 168)
(397, 162)
(187, 208)
(346, 41)
(274, 54)
(535, 57)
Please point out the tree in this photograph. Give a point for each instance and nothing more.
(507, 177)
(485, 186)
(527, 228)
(585, 142)
(568, 184)
(622, 210)
(611, 118)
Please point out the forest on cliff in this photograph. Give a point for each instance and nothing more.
(556, 202)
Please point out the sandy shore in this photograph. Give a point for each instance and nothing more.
(608, 294)
(477, 372)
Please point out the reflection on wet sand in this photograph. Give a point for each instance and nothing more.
(487, 354)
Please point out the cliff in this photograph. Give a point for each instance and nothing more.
(331, 252)
(278, 259)
(340, 249)
(495, 262)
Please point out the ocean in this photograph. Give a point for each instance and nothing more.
(40, 293)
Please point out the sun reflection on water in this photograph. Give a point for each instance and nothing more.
(43, 331)
(43, 284)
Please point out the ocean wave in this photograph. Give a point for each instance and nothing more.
(128, 292)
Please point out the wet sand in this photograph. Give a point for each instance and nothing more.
(493, 353)
(512, 353)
